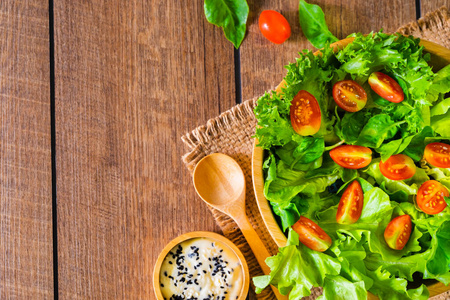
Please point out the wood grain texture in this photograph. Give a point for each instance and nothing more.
(262, 63)
(26, 247)
(131, 78)
(427, 6)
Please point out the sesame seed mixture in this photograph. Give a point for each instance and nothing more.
(201, 269)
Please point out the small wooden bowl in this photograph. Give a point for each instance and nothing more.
(440, 57)
(201, 234)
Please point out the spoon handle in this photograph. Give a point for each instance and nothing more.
(258, 248)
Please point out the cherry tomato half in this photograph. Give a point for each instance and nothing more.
(438, 155)
(398, 167)
(397, 232)
(430, 197)
(311, 235)
(305, 114)
(351, 156)
(351, 204)
(274, 26)
(349, 95)
(386, 87)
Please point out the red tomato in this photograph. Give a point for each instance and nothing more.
(351, 204)
(351, 157)
(397, 232)
(349, 95)
(438, 155)
(398, 167)
(386, 87)
(305, 114)
(430, 197)
(311, 235)
(274, 26)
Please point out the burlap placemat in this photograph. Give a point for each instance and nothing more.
(231, 133)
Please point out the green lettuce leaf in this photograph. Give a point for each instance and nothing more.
(290, 269)
(385, 286)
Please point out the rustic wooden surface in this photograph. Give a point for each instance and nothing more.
(131, 77)
(26, 244)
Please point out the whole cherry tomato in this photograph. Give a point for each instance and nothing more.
(398, 167)
(351, 204)
(386, 87)
(398, 231)
(349, 95)
(311, 235)
(438, 155)
(274, 26)
(305, 114)
(430, 197)
(351, 156)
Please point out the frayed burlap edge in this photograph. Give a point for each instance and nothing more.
(434, 27)
(231, 133)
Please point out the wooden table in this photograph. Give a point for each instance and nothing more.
(95, 96)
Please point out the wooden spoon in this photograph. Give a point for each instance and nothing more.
(220, 182)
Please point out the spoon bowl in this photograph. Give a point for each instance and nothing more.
(219, 181)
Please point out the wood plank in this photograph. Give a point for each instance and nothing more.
(262, 63)
(26, 246)
(427, 6)
(131, 78)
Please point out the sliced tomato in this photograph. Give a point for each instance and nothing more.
(398, 167)
(386, 87)
(351, 156)
(349, 95)
(430, 197)
(351, 204)
(311, 235)
(305, 114)
(398, 231)
(438, 155)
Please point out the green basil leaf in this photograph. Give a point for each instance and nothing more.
(312, 21)
(231, 15)
(379, 128)
(417, 145)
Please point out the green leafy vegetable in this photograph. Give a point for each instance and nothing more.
(231, 15)
(302, 180)
(312, 21)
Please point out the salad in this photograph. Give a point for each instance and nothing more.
(357, 170)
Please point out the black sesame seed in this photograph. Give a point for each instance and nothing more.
(204, 271)
(162, 285)
(170, 262)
